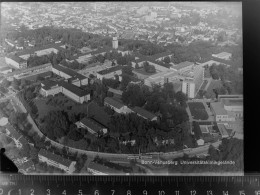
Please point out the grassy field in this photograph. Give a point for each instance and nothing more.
(198, 111)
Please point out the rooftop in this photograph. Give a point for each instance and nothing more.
(92, 124)
(16, 58)
(69, 72)
(182, 65)
(222, 55)
(109, 70)
(222, 129)
(74, 89)
(233, 102)
(103, 169)
(5, 68)
(144, 113)
(115, 91)
(113, 102)
(55, 157)
(218, 108)
(33, 50)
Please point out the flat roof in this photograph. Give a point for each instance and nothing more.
(92, 124)
(222, 129)
(5, 68)
(57, 158)
(182, 65)
(218, 108)
(233, 102)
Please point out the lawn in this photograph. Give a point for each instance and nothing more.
(198, 111)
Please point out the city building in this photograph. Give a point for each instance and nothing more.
(109, 73)
(40, 51)
(72, 76)
(115, 43)
(192, 81)
(233, 104)
(183, 66)
(116, 105)
(70, 90)
(206, 132)
(16, 61)
(219, 112)
(92, 126)
(223, 130)
(188, 87)
(144, 114)
(223, 55)
(57, 161)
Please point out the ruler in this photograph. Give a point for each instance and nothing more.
(128, 185)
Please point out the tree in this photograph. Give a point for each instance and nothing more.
(6, 83)
(181, 98)
(127, 70)
(167, 60)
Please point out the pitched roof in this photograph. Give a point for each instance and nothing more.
(109, 70)
(16, 58)
(73, 88)
(113, 102)
(144, 113)
(115, 91)
(69, 72)
(92, 124)
(33, 50)
(55, 157)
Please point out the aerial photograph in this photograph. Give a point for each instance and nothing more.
(122, 88)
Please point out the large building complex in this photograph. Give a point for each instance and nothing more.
(71, 75)
(70, 90)
(109, 73)
(57, 161)
(19, 60)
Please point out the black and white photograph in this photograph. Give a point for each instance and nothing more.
(122, 88)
